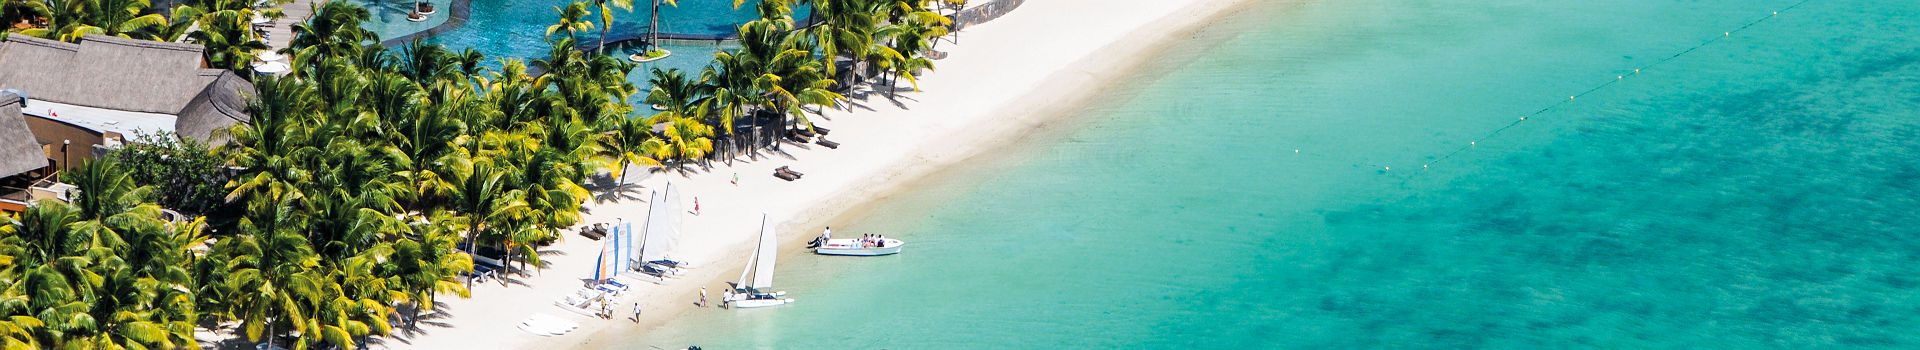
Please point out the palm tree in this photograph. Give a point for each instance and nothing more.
(729, 81)
(229, 40)
(73, 19)
(685, 138)
(333, 31)
(268, 147)
(484, 199)
(673, 90)
(847, 29)
(271, 265)
(606, 16)
(653, 27)
(427, 265)
(572, 20)
(632, 143)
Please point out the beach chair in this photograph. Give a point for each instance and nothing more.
(829, 144)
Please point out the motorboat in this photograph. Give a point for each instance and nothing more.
(859, 247)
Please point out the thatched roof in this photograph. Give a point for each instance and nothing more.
(123, 74)
(222, 104)
(19, 152)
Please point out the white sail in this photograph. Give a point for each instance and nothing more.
(663, 225)
(638, 240)
(752, 259)
(764, 255)
(671, 240)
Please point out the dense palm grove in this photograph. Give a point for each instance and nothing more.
(366, 171)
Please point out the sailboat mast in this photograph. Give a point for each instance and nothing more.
(748, 271)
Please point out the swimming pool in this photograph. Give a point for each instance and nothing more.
(507, 28)
(517, 29)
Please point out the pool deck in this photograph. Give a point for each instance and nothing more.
(282, 31)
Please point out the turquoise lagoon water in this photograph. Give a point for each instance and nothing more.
(1760, 192)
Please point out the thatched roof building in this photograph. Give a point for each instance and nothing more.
(19, 153)
(120, 74)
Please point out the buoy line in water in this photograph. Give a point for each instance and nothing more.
(1616, 79)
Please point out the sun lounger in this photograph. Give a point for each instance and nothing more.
(786, 174)
(617, 284)
(481, 274)
(784, 169)
(611, 291)
(822, 131)
(830, 144)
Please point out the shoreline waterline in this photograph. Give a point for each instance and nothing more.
(1050, 110)
(966, 111)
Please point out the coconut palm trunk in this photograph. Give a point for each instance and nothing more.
(653, 28)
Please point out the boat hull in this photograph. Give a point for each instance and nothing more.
(852, 247)
(758, 303)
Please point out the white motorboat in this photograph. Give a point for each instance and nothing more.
(860, 247)
(760, 268)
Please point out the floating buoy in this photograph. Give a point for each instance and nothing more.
(1472, 143)
(1389, 168)
(1423, 166)
(1296, 150)
(1571, 97)
(1636, 70)
(1729, 33)
(1523, 118)
(1619, 77)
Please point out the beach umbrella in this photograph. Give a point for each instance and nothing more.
(271, 68)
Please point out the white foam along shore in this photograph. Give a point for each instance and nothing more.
(1001, 80)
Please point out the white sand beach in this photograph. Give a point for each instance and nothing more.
(1003, 79)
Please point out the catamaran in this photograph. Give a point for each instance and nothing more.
(760, 268)
(662, 235)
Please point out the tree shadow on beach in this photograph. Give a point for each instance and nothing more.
(406, 333)
(608, 188)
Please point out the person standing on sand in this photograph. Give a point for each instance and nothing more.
(696, 206)
(703, 297)
(736, 179)
(636, 312)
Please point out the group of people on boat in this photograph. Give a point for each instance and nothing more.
(873, 241)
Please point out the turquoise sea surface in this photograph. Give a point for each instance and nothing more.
(1762, 191)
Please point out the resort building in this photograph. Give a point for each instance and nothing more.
(77, 101)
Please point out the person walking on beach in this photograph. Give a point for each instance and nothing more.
(696, 206)
(703, 297)
(636, 312)
(736, 179)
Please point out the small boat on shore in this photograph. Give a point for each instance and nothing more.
(859, 247)
(760, 269)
